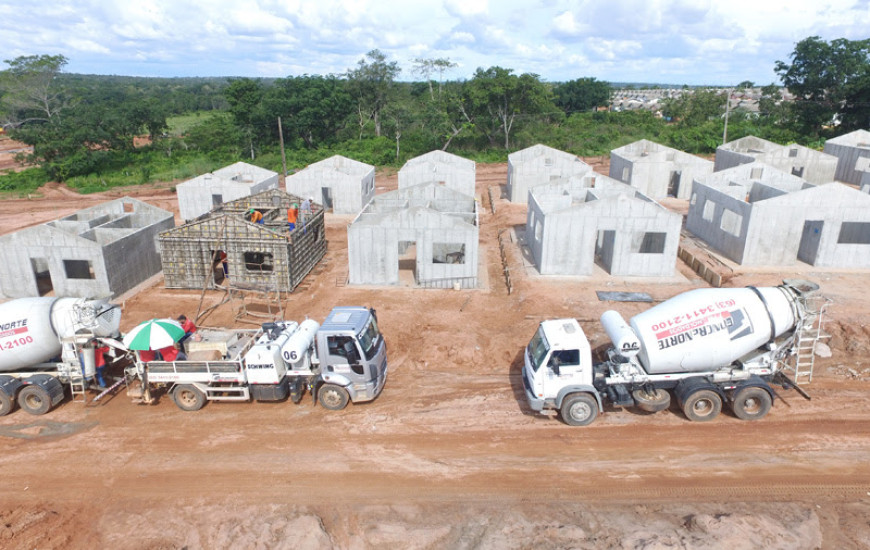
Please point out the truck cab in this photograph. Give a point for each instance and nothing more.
(352, 354)
(558, 365)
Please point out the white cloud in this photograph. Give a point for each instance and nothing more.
(463, 37)
(690, 40)
(466, 8)
(566, 24)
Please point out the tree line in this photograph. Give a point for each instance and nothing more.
(80, 125)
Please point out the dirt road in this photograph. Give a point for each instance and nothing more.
(449, 456)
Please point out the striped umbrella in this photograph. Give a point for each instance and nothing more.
(154, 334)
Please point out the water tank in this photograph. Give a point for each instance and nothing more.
(708, 328)
(294, 351)
(623, 336)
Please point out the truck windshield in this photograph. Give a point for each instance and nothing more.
(538, 349)
(369, 338)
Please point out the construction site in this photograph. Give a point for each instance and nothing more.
(450, 455)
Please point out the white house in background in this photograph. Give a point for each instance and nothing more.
(340, 184)
(450, 170)
(657, 171)
(813, 166)
(204, 193)
(853, 156)
(539, 165)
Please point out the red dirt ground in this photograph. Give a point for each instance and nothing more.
(449, 456)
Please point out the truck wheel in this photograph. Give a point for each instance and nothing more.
(751, 403)
(7, 404)
(34, 399)
(188, 397)
(655, 401)
(702, 406)
(579, 409)
(332, 397)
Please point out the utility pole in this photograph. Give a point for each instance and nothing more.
(727, 110)
(283, 157)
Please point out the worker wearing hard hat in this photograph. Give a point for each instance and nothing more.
(256, 216)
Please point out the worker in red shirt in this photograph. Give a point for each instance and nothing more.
(146, 355)
(172, 353)
(100, 362)
(188, 327)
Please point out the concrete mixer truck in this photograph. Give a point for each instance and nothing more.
(705, 347)
(47, 343)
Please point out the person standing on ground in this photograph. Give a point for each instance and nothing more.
(225, 264)
(100, 362)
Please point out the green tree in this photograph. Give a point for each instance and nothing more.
(496, 98)
(583, 94)
(855, 110)
(244, 96)
(693, 108)
(313, 108)
(824, 76)
(29, 89)
(426, 67)
(371, 84)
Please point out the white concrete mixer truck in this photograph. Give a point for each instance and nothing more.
(705, 347)
(47, 343)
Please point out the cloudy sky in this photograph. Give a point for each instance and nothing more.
(677, 42)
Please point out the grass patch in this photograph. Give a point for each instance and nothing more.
(18, 184)
(179, 125)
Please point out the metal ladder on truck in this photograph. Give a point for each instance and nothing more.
(808, 334)
(78, 384)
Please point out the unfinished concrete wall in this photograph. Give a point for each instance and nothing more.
(428, 230)
(539, 165)
(568, 227)
(266, 256)
(657, 171)
(826, 226)
(739, 179)
(204, 193)
(102, 251)
(813, 166)
(853, 155)
(338, 183)
(453, 171)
